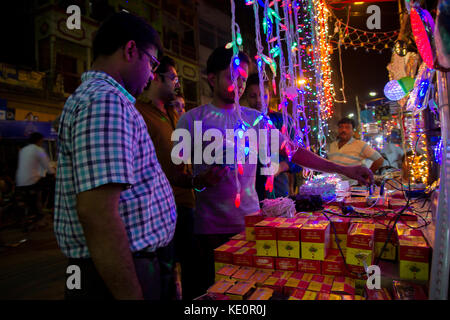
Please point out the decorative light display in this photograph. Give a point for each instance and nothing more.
(400, 48)
(323, 50)
(419, 97)
(417, 163)
(395, 90)
(422, 25)
(292, 42)
(348, 36)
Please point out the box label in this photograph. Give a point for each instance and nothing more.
(313, 251)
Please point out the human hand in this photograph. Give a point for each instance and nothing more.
(211, 177)
(282, 167)
(362, 174)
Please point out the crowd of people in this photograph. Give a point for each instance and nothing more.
(124, 212)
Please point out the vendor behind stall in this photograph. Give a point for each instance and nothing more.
(349, 151)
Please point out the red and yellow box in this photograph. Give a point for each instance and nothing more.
(380, 237)
(321, 283)
(341, 239)
(294, 283)
(360, 242)
(299, 294)
(243, 274)
(315, 237)
(341, 224)
(224, 253)
(350, 297)
(309, 266)
(264, 262)
(260, 276)
(382, 294)
(414, 256)
(328, 296)
(244, 256)
(226, 272)
(275, 283)
(261, 294)
(343, 285)
(221, 286)
(288, 239)
(239, 236)
(403, 230)
(266, 237)
(250, 221)
(286, 264)
(333, 263)
(241, 290)
(282, 274)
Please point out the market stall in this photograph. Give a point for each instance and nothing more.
(383, 242)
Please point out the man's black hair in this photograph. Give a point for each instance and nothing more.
(220, 59)
(121, 28)
(347, 120)
(35, 137)
(164, 64)
(254, 79)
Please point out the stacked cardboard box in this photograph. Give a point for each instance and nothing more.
(360, 244)
(250, 221)
(261, 294)
(299, 294)
(414, 252)
(241, 290)
(380, 238)
(266, 237)
(333, 264)
(315, 239)
(341, 225)
(414, 256)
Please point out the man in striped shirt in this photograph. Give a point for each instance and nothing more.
(351, 152)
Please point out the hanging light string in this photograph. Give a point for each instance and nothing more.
(349, 36)
(237, 107)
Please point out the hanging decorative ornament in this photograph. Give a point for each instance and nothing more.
(400, 48)
(418, 99)
(395, 90)
(422, 25)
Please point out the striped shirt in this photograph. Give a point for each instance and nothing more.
(103, 139)
(353, 153)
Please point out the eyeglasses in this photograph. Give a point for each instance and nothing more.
(172, 77)
(154, 63)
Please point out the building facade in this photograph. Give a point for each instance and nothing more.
(61, 55)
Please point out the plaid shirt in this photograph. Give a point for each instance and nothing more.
(103, 139)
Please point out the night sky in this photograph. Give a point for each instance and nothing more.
(363, 71)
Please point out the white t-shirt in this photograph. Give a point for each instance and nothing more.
(394, 154)
(216, 212)
(32, 165)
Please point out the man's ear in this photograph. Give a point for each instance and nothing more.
(130, 50)
(212, 79)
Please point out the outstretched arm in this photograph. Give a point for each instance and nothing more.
(306, 158)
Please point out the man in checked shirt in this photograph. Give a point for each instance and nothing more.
(114, 207)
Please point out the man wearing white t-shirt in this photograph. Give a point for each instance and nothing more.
(218, 215)
(349, 151)
(33, 165)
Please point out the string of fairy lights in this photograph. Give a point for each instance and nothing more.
(294, 45)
